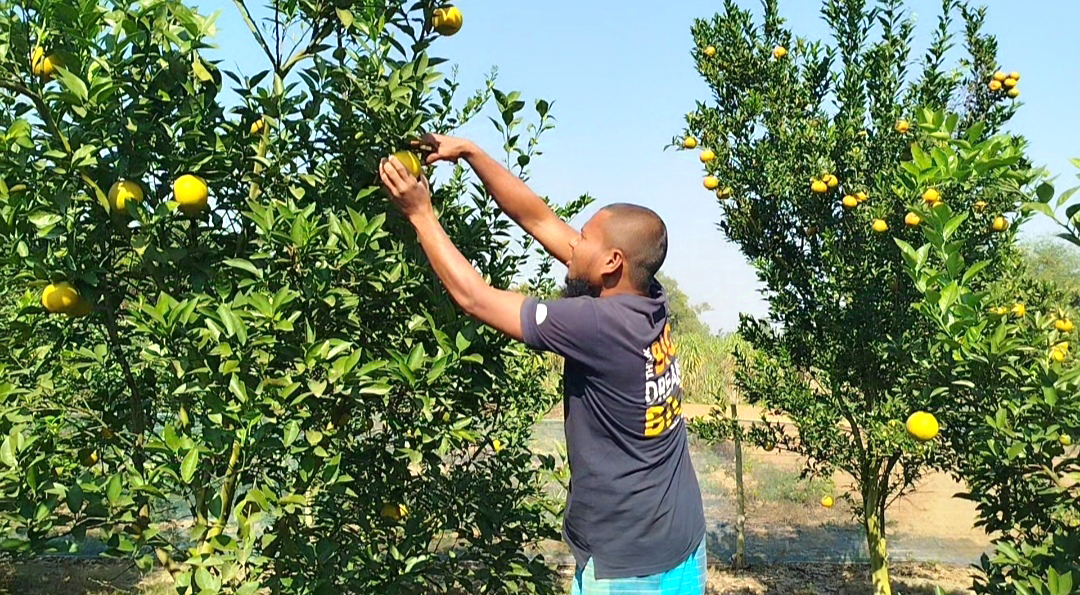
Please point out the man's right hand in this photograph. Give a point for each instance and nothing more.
(443, 148)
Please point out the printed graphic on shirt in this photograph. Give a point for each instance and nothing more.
(663, 386)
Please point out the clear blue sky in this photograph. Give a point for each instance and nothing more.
(622, 78)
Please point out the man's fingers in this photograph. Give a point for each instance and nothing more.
(397, 172)
(394, 180)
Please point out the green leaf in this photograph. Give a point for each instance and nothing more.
(200, 70)
(112, 490)
(1065, 583)
(206, 581)
(416, 357)
(975, 269)
(238, 388)
(951, 227)
(41, 219)
(1065, 196)
(1038, 206)
(189, 464)
(1045, 192)
(7, 453)
(73, 83)
(948, 296)
(246, 265)
(345, 16)
(292, 430)
(74, 498)
(171, 439)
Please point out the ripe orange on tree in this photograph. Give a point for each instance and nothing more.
(922, 426)
(447, 20)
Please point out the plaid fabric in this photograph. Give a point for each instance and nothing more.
(687, 578)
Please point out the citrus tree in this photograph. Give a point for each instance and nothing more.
(223, 355)
(821, 154)
(1013, 389)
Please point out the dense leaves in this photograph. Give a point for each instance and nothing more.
(279, 373)
(822, 150)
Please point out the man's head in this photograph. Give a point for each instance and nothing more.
(621, 248)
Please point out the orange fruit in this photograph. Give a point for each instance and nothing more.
(689, 142)
(724, 192)
(711, 182)
(1063, 325)
(1000, 224)
(709, 51)
(827, 501)
(922, 426)
(447, 20)
(1000, 76)
(850, 202)
(1014, 93)
(707, 155)
(819, 187)
(779, 52)
(980, 206)
(1009, 83)
(880, 226)
(830, 180)
(122, 192)
(902, 126)
(42, 65)
(410, 160)
(1014, 75)
(861, 196)
(257, 126)
(995, 85)
(912, 220)
(59, 297)
(191, 193)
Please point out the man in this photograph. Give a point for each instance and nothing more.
(634, 518)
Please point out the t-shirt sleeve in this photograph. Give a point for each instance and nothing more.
(566, 326)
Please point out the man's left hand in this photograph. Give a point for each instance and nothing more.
(411, 194)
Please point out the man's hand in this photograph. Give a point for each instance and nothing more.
(443, 148)
(411, 195)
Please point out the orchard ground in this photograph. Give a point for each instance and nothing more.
(794, 546)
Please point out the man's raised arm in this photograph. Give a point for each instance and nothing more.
(520, 203)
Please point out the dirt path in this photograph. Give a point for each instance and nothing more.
(928, 524)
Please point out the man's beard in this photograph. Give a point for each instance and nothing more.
(579, 288)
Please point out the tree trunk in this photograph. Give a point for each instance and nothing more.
(740, 495)
(875, 539)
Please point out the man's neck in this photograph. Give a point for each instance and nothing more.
(620, 290)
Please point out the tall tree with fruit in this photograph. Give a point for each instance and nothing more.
(215, 312)
(821, 155)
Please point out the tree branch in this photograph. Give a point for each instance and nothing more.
(246, 15)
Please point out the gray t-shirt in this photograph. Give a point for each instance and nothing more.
(634, 503)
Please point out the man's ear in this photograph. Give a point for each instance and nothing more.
(615, 260)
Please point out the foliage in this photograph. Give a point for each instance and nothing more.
(794, 133)
(1011, 410)
(685, 316)
(706, 364)
(282, 367)
(1054, 261)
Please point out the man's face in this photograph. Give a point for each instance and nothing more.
(585, 274)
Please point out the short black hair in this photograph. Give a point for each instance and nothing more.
(641, 235)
